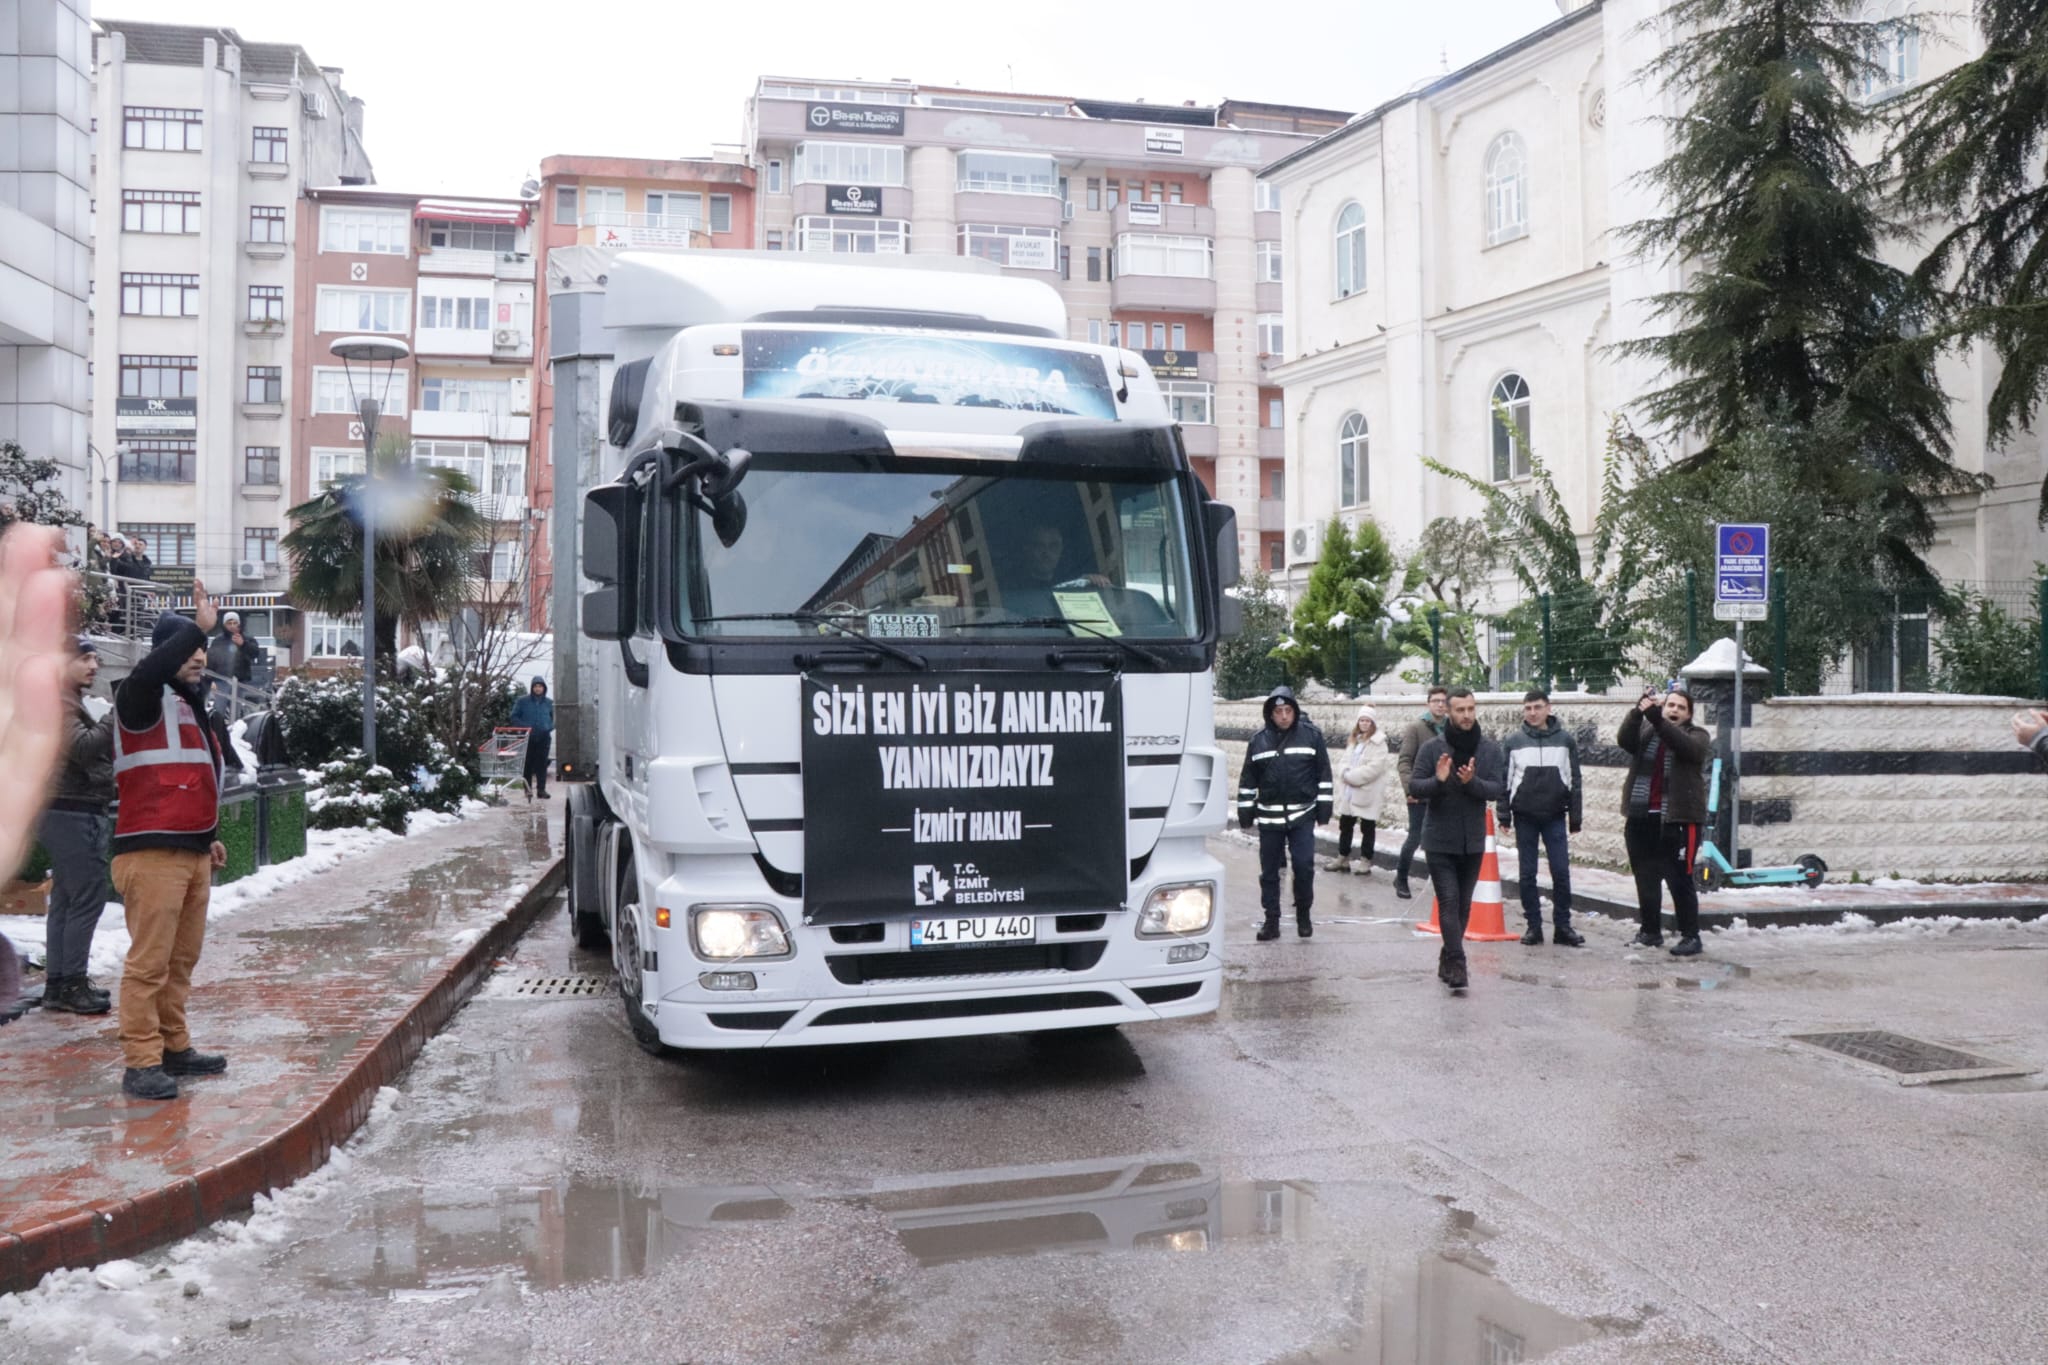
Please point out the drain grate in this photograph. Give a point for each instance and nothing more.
(560, 987)
(1913, 1060)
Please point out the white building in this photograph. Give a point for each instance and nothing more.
(45, 194)
(1456, 246)
(204, 145)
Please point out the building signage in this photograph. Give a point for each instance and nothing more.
(957, 372)
(1145, 213)
(1033, 253)
(1742, 572)
(940, 796)
(866, 120)
(1173, 364)
(156, 416)
(853, 201)
(1165, 142)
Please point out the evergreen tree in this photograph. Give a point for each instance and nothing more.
(25, 492)
(1244, 663)
(1445, 578)
(1341, 630)
(1973, 145)
(1789, 311)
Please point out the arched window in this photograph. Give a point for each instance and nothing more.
(1354, 480)
(1507, 190)
(1350, 250)
(1894, 50)
(1507, 416)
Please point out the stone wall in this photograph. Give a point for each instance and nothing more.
(1927, 787)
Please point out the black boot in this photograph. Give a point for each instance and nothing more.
(1401, 888)
(73, 995)
(148, 1083)
(1564, 936)
(1645, 939)
(1689, 946)
(193, 1062)
(1270, 930)
(1454, 974)
(1532, 936)
(1302, 926)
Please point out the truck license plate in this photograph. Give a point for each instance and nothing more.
(966, 933)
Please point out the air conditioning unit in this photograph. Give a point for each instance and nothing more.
(252, 571)
(1067, 212)
(316, 104)
(507, 336)
(1305, 541)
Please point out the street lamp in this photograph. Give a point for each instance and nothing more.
(106, 486)
(367, 351)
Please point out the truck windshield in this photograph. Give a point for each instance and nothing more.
(938, 549)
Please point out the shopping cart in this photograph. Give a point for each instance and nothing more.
(502, 760)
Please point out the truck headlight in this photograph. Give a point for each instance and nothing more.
(1183, 908)
(725, 932)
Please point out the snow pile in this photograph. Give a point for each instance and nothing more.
(1853, 925)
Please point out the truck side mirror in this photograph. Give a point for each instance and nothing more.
(611, 560)
(1222, 520)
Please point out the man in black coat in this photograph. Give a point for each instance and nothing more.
(1285, 790)
(1458, 774)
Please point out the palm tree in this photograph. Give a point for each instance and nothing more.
(429, 532)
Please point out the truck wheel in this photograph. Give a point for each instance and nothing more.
(586, 922)
(626, 958)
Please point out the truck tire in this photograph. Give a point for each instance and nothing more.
(581, 826)
(626, 957)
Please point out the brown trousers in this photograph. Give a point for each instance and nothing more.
(165, 891)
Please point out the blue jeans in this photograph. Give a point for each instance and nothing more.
(1284, 843)
(1552, 833)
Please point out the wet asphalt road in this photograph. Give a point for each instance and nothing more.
(1589, 1157)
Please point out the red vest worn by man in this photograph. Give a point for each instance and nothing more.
(167, 776)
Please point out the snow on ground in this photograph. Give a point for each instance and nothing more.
(1853, 925)
(325, 848)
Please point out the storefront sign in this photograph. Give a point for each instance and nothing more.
(1165, 141)
(865, 120)
(964, 794)
(1173, 364)
(853, 201)
(156, 416)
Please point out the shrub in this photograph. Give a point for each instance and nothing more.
(1983, 650)
(323, 726)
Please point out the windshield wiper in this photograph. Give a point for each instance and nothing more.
(831, 620)
(1043, 622)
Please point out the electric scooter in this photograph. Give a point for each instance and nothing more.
(1713, 870)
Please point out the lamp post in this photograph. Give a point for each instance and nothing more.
(367, 351)
(106, 486)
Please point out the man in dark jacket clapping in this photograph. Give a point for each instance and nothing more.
(1458, 774)
(1286, 792)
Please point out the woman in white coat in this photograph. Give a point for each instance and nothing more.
(1362, 777)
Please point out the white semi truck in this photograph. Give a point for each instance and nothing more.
(905, 614)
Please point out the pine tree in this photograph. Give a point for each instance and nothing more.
(1789, 312)
(1973, 145)
(1341, 630)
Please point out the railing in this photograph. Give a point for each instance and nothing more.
(124, 608)
(681, 222)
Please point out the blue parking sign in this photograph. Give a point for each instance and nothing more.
(1742, 564)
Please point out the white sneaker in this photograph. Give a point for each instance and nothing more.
(1337, 865)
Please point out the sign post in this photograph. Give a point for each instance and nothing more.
(1742, 576)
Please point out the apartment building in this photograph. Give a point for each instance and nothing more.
(45, 192)
(1455, 248)
(454, 280)
(204, 146)
(613, 203)
(1148, 219)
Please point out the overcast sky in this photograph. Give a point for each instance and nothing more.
(469, 98)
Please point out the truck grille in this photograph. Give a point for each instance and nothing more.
(856, 969)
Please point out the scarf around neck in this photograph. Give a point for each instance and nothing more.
(1464, 743)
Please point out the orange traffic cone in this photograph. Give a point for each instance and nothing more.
(1488, 921)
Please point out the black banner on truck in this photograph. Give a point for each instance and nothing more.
(962, 794)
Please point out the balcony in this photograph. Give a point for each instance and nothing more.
(1267, 297)
(448, 260)
(1179, 220)
(266, 251)
(263, 328)
(1167, 293)
(263, 412)
(622, 230)
(1017, 210)
(1272, 443)
(474, 426)
(1203, 440)
(267, 170)
(463, 341)
(1272, 514)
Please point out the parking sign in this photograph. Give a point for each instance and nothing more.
(1742, 572)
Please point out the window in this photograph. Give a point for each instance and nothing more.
(266, 224)
(260, 466)
(853, 236)
(1267, 197)
(364, 310)
(499, 237)
(1008, 173)
(331, 465)
(331, 389)
(1066, 263)
(1192, 400)
(1269, 263)
(604, 206)
(1272, 334)
(508, 471)
(333, 637)
(774, 177)
(1276, 412)
(160, 130)
(676, 209)
(171, 544)
(774, 239)
(854, 163)
(159, 376)
(1894, 53)
(1276, 483)
(269, 144)
(721, 213)
(1508, 418)
(265, 384)
(470, 459)
(505, 561)
(160, 296)
(266, 303)
(1180, 336)
(493, 396)
(462, 314)
(1174, 190)
(364, 232)
(1276, 556)
(1354, 485)
(1095, 263)
(1350, 265)
(1095, 331)
(260, 544)
(159, 211)
(1147, 253)
(1025, 248)
(565, 205)
(1134, 335)
(1158, 336)
(1507, 190)
(1094, 193)
(1109, 195)
(158, 460)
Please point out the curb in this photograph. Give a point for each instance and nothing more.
(113, 1229)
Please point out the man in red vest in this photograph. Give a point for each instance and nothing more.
(167, 773)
